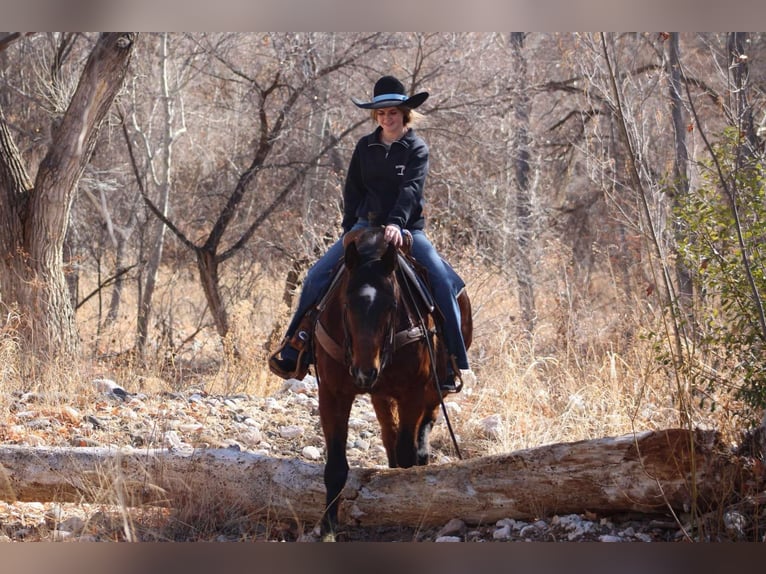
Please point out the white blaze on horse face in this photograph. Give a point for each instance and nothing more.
(368, 292)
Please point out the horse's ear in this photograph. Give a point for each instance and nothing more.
(351, 256)
(389, 259)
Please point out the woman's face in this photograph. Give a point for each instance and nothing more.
(392, 122)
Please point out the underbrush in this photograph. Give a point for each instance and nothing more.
(586, 372)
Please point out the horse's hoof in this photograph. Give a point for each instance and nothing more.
(328, 537)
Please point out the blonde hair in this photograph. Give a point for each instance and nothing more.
(411, 117)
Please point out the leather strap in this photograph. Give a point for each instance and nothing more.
(333, 349)
(328, 343)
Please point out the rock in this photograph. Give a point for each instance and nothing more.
(291, 431)
(37, 424)
(109, 387)
(448, 539)
(171, 440)
(305, 387)
(531, 530)
(71, 414)
(272, 404)
(357, 424)
(453, 408)
(642, 536)
(362, 444)
(251, 437)
(502, 533)
(72, 524)
(492, 426)
(311, 453)
(574, 525)
(61, 535)
(190, 427)
(96, 422)
(454, 526)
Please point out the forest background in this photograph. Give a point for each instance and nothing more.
(162, 195)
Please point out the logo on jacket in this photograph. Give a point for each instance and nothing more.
(399, 169)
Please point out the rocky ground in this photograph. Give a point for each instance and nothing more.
(283, 425)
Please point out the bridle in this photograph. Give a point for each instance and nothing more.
(389, 340)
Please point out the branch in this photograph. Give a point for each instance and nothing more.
(280, 198)
(148, 202)
(105, 283)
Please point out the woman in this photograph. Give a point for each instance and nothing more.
(384, 186)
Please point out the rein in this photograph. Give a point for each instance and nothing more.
(432, 357)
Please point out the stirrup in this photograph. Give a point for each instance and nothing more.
(457, 378)
(300, 369)
(449, 384)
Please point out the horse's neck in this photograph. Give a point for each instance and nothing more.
(331, 308)
(414, 288)
(411, 309)
(410, 304)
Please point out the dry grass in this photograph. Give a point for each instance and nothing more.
(584, 374)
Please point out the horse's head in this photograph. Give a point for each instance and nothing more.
(370, 309)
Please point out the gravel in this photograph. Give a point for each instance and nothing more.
(283, 425)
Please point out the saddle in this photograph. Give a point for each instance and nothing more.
(411, 275)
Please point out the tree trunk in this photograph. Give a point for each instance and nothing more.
(740, 70)
(119, 282)
(520, 155)
(207, 264)
(35, 218)
(160, 165)
(651, 473)
(680, 166)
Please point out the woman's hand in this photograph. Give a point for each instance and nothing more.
(393, 234)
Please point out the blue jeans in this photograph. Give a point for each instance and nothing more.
(446, 284)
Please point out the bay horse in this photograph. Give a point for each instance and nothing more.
(372, 335)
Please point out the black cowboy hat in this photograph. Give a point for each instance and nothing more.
(390, 93)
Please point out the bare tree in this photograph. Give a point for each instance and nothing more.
(520, 158)
(680, 183)
(158, 130)
(278, 90)
(35, 214)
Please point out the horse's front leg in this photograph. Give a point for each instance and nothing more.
(384, 411)
(334, 411)
(409, 432)
(423, 454)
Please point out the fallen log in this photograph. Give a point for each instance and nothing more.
(649, 472)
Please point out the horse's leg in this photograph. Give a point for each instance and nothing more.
(334, 411)
(384, 410)
(410, 418)
(424, 430)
